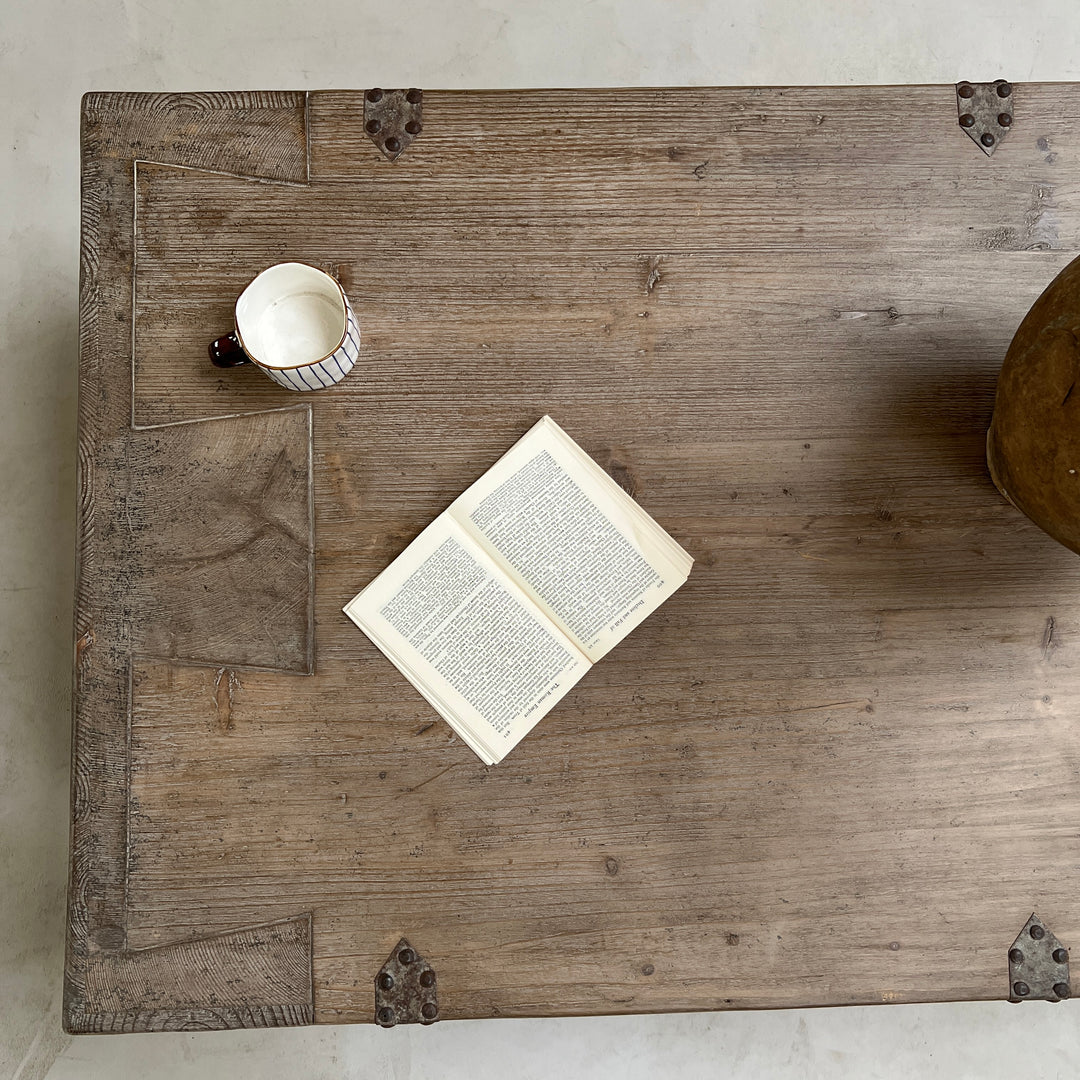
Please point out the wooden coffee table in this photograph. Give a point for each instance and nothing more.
(840, 766)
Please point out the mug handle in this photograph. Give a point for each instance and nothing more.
(228, 352)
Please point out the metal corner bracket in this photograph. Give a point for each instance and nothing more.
(405, 989)
(985, 112)
(1038, 965)
(393, 118)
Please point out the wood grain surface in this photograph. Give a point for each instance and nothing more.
(127, 569)
(838, 766)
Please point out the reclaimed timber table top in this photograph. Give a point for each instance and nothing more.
(839, 766)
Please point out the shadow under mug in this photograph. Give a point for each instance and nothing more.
(295, 323)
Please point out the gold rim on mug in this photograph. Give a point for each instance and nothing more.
(306, 363)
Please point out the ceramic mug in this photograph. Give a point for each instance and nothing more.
(293, 321)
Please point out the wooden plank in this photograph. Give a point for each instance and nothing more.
(214, 511)
(487, 134)
(260, 967)
(633, 831)
(836, 767)
(258, 134)
(470, 315)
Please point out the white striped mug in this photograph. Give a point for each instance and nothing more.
(295, 323)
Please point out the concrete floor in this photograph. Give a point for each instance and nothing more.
(53, 50)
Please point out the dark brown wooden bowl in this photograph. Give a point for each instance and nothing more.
(1033, 445)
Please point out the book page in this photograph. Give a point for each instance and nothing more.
(577, 544)
(472, 643)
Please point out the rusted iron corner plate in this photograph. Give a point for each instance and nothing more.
(1038, 965)
(405, 989)
(985, 112)
(393, 118)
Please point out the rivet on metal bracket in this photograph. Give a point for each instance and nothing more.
(985, 111)
(1038, 965)
(393, 118)
(405, 989)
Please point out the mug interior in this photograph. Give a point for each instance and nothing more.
(291, 314)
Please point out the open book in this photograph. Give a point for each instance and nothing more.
(510, 595)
